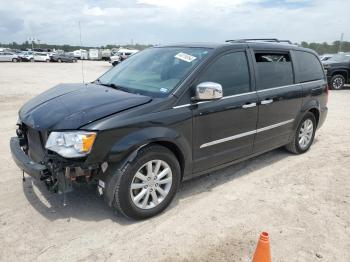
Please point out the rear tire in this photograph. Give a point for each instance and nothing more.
(14, 60)
(304, 135)
(31, 60)
(59, 60)
(337, 82)
(152, 194)
(47, 60)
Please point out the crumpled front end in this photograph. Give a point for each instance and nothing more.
(58, 173)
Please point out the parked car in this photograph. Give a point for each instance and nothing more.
(64, 57)
(148, 124)
(6, 56)
(41, 57)
(338, 70)
(27, 56)
(121, 55)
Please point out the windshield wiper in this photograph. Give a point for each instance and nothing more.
(114, 86)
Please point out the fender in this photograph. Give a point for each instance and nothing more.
(126, 149)
(310, 104)
(128, 146)
(337, 71)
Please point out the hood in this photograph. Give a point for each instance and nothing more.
(70, 106)
(334, 63)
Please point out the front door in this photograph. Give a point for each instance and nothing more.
(224, 130)
(279, 99)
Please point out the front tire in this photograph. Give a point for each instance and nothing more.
(14, 60)
(147, 185)
(59, 61)
(304, 135)
(337, 82)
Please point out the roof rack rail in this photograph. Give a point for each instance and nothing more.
(270, 40)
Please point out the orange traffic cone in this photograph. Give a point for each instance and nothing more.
(262, 252)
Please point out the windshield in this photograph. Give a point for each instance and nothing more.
(155, 71)
(340, 58)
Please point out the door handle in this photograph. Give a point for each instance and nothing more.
(249, 105)
(266, 101)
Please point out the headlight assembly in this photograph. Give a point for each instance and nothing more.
(71, 144)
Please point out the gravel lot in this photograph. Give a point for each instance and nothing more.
(302, 201)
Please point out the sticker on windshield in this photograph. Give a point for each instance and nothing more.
(185, 57)
(163, 90)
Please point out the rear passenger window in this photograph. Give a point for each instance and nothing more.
(274, 70)
(310, 68)
(231, 71)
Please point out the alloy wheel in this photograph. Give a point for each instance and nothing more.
(306, 133)
(337, 83)
(151, 184)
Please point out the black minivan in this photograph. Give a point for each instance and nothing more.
(169, 113)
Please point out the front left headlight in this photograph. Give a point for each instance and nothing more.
(71, 144)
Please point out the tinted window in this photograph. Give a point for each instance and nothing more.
(274, 70)
(231, 71)
(309, 67)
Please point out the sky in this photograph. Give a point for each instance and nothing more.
(170, 21)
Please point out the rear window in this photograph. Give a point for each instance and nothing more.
(310, 68)
(274, 70)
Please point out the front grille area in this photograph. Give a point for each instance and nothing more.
(35, 145)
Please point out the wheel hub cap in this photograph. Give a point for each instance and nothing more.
(151, 184)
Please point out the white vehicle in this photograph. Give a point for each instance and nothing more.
(95, 54)
(106, 54)
(41, 57)
(121, 55)
(9, 57)
(81, 54)
(27, 56)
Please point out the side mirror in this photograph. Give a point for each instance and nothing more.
(208, 91)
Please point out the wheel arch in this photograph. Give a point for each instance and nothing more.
(125, 149)
(344, 73)
(312, 106)
(315, 111)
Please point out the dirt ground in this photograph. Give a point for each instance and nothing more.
(302, 201)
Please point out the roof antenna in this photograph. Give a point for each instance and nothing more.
(81, 55)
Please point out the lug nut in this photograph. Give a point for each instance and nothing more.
(155, 177)
(148, 178)
(156, 185)
(145, 186)
(151, 190)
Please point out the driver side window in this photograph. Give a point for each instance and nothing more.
(231, 71)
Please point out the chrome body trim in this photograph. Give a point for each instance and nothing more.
(258, 91)
(226, 139)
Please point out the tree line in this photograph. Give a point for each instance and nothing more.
(325, 48)
(320, 48)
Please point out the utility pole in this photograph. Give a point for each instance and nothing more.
(341, 42)
(81, 53)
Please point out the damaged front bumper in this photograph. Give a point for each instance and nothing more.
(57, 175)
(35, 170)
